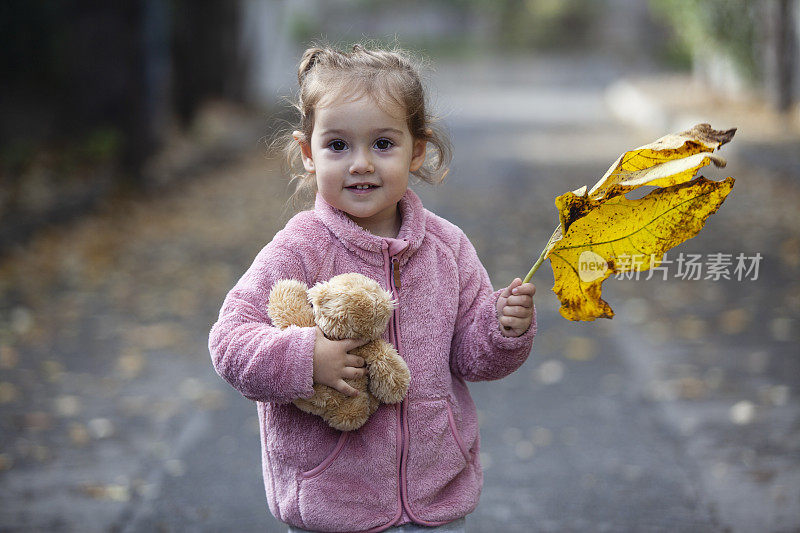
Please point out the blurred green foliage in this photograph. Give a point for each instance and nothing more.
(302, 27)
(730, 27)
(100, 146)
(543, 24)
(513, 24)
(64, 100)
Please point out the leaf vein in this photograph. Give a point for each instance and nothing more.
(675, 207)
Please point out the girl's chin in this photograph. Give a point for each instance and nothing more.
(369, 214)
(361, 215)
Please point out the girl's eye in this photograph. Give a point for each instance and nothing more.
(383, 144)
(337, 145)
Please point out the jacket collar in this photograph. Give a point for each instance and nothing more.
(370, 247)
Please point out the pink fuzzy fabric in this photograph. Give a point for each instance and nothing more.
(415, 461)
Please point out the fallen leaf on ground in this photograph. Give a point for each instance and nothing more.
(116, 493)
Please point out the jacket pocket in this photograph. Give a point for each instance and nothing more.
(355, 486)
(456, 435)
(442, 482)
(319, 469)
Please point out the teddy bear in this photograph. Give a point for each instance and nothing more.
(348, 306)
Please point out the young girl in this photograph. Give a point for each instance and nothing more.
(363, 129)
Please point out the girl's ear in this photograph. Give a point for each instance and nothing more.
(418, 154)
(305, 151)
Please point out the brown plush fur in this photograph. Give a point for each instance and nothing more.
(348, 306)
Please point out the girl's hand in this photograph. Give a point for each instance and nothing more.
(515, 308)
(332, 363)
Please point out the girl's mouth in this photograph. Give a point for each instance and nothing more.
(362, 188)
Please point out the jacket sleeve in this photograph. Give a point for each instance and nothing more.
(479, 351)
(261, 361)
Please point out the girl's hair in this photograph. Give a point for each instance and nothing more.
(390, 77)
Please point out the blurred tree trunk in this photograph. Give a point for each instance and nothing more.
(206, 55)
(75, 66)
(781, 53)
(155, 86)
(116, 68)
(89, 90)
(267, 45)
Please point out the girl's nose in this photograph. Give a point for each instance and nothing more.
(362, 163)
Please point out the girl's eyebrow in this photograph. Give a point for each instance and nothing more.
(375, 132)
(389, 130)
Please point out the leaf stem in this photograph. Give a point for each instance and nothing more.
(542, 257)
(536, 266)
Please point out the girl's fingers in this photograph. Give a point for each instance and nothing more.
(517, 311)
(344, 388)
(525, 288)
(514, 322)
(511, 286)
(353, 373)
(354, 360)
(507, 321)
(352, 344)
(524, 301)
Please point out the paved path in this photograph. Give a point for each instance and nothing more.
(678, 415)
(570, 445)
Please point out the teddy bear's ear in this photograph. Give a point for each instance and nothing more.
(382, 307)
(328, 309)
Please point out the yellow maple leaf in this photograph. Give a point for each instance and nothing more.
(601, 232)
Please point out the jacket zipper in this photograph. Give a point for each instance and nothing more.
(393, 281)
(396, 291)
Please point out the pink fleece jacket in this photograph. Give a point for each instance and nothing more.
(414, 461)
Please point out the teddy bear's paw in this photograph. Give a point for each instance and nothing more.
(319, 403)
(374, 403)
(309, 406)
(389, 379)
(351, 414)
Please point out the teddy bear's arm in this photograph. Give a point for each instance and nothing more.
(388, 373)
(288, 304)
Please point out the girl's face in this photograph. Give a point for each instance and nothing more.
(361, 156)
